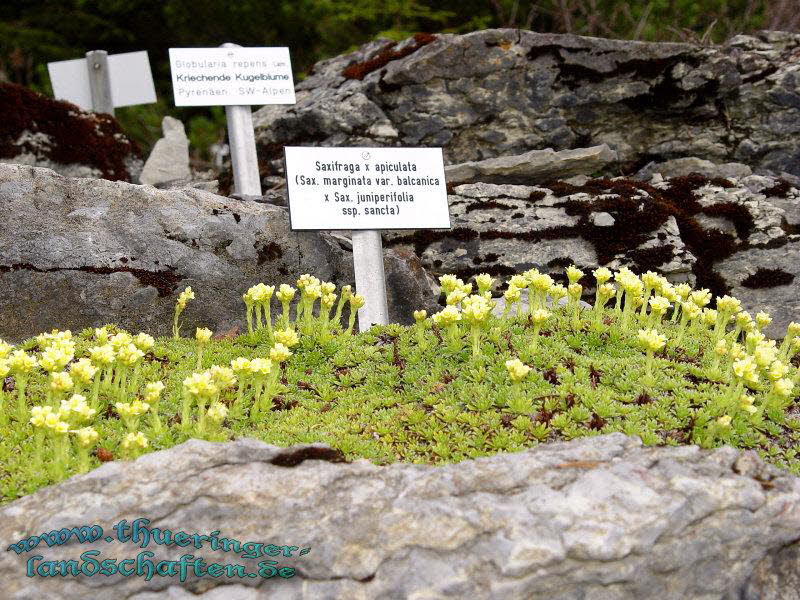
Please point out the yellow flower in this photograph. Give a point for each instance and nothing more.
(223, 377)
(540, 281)
(793, 329)
(279, 353)
(518, 281)
(152, 391)
(721, 349)
(574, 274)
(328, 300)
(683, 290)
(285, 293)
(357, 301)
(449, 283)
(101, 334)
(724, 420)
(83, 370)
(39, 415)
(120, 340)
(476, 310)
(144, 342)
(217, 411)
(777, 370)
(5, 349)
(132, 409)
(745, 369)
(200, 385)
(517, 370)
(651, 340)
(512, 294)
(783, 387)
(690, 309)
(261, 366)
(327, 287)
(5, 369)
(700, 297)
(288, 337)
(60, 382)
(659, 305)
(203, 334)
(129, 355)
(709, 316)
(557, 291)
(540, 315)
(102, 355)
(746, 404)
(764, 355)
(484, 281)
(650, 279)
(602, 275)
(184, 297)
(606, 291)
(728, 304)
(575, 290)
(55, 358)
(307, 280)
(448, 316)
(420, 315)
(241, 364)
(86, 436)
(134, 439)
(455, 297)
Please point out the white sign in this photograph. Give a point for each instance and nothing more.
(131, 80)
(366, 188)
(231, 76)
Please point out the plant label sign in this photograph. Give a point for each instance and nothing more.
(366, 188)
(130, 80)
(231, 76)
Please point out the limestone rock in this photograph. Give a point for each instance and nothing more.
(84, 252)
(532, 167)
(599, 517)
(169, 159)
(39, 131)
(505, 92)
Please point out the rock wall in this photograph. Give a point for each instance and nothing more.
(599, 517)
(731, 235)
(39, 131)
(501, 92)
(78, 253)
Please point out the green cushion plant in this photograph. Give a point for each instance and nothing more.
(657, 363)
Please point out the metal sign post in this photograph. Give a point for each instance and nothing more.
(242, 141)
(370, 278)
(99, 81)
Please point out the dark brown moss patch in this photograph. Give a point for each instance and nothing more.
(779, 190)
(293, 457)
(386, 55)
(488, 204)
(738, 214)
(164, 281)
(75, 137)
(767, 278)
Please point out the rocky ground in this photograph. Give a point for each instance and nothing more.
(601, 517)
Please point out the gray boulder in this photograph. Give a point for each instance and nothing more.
(169, 159)
(505, 92)
(599, 517)
(79, 253)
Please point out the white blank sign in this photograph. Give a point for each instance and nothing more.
(366, 188)
(130, 75)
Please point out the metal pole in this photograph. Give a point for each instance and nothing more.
(370, 278)
(242, 140)
(99, 81)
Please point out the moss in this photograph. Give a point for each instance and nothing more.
(76, 137)
(779, 190)
(359, 70)
(488, 204)
(767, 278)
(164, 281)
(738, 214)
